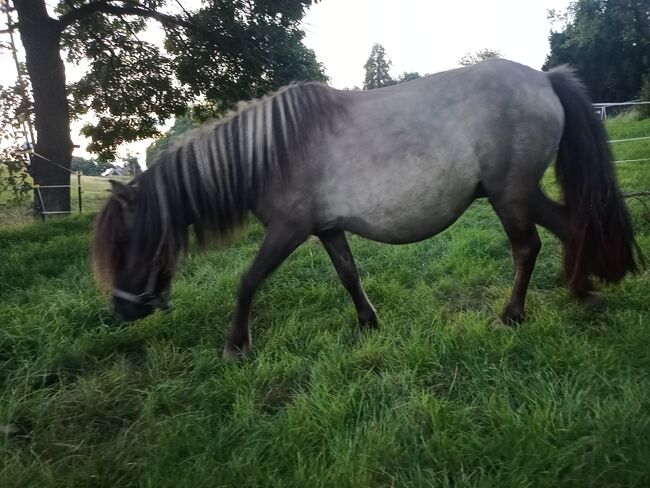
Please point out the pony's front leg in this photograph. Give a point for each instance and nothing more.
(280, 241)
(337, 248)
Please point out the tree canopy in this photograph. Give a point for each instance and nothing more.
(224, 52)
(408, 76)
(89, 167)
(181, 125)
(210, 58)
(608, 41)
(377, 69)
(481, 55)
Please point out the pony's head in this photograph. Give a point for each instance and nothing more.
(130, 254)
(208, 181)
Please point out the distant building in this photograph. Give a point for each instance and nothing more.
(117, 171)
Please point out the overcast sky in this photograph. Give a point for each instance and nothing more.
(425, 35)
(419, 35)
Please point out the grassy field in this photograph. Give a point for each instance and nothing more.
(433, 398)
(94, 190)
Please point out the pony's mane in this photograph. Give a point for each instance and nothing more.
(215, 174)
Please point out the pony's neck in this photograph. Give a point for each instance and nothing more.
(203, 182)
(217, 174)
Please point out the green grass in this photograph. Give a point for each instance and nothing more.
(434, 398)
(621, 128)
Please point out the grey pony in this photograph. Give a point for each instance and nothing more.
(395, 165)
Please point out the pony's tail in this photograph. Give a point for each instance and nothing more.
(600, 241)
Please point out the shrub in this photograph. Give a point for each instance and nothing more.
(645, 96)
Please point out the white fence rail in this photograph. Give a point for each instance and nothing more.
(608, 110)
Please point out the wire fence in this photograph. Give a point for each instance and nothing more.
(79, 186)
(610, 110)
(631, 139)
(87, 193)
(87, 196)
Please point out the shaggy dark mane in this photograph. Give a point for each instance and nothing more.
(214, 175)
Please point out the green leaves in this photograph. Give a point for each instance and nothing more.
(226, 51)
(89, 167)
(645, 96)
(608, 41)
(241, 50)
(181, 125)
(377, 69)
(15, 107)
(130, 85)
(481, 55)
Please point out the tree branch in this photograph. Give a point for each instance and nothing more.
(637, 194)
(103, 6)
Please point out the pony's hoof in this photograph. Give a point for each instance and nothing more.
(371, 323)
(509, 318)
(498, 324)
(232, 354)
(593, 301)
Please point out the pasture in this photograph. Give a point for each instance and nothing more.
(433, 398)
(94, 190)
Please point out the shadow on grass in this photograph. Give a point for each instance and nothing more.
(98, 355)
(41, 251)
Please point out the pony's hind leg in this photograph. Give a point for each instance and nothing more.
(280, 241)
(339, 252)
(551, 215)
(517, 220)
(555, 218)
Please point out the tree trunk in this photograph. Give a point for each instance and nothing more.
(40, 35)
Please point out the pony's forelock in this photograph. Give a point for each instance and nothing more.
(105, 253)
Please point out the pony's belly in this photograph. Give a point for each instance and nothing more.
(409, 213)
(392, 228)
(401, 193)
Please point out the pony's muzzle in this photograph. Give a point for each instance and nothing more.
(130, 311)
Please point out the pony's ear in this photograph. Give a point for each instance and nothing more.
(125, 194)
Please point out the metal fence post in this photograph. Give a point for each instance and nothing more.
(81, 209)
(40, 201)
